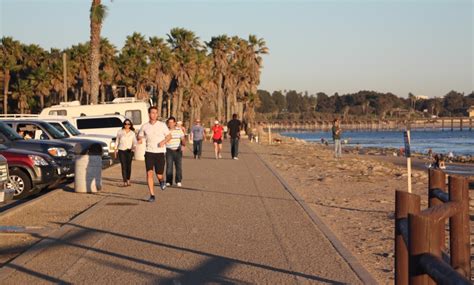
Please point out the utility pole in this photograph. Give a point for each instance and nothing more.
(64, 77)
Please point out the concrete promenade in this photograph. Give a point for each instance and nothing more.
(232, 222)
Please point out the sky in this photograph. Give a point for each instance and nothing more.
(421, 46)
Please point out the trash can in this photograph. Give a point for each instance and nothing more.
(88, 171)
(140, 151)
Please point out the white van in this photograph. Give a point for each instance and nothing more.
(105, 124)
(131, 108)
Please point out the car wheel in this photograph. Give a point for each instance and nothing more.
(20, 182)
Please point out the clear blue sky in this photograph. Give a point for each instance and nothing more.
(425, 46)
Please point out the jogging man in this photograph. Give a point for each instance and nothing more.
(156, 135)
(234, 126)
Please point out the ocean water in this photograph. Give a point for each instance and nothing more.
(458, 142)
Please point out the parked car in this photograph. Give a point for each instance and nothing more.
(6, 193)
(30, 172)
(63, 125)
(40, 130)
(104, 124)
(62, 153)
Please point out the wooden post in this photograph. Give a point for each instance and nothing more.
(470, 124)
(269, 134)
(424, 238)
(460, 124)
(404, 203)
(459, 226)
(437, 180)
(452, 124)
(442, 124)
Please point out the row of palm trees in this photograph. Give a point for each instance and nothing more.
(181, 72)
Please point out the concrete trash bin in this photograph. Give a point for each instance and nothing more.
(88, 173)
(140, 152)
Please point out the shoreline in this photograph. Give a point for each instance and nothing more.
(390, 152)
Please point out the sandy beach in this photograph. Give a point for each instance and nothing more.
(354, 196)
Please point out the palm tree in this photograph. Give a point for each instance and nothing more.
(256, 48)
(80, 69)
(220, 51)
(108, 66)
(10, 56)
(98, 13)
(184, 44)
(133, 64)
(160, 69)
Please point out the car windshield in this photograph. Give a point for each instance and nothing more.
(55, 133)
(9, 132)
(70, 127)
(59, 127)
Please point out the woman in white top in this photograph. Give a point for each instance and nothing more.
(125, 145)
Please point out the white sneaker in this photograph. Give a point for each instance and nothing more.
(179, 184)
(220, 156)
(236, 158)
(168, 184)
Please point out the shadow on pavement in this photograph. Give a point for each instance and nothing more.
(208, 271)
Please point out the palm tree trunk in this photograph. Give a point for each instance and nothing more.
(159, 104)
(227, 115)
(95, 56)
(102, 93)
(174, 108)
(6, 82)
(180, 105)
(42, 101)
(219, 97)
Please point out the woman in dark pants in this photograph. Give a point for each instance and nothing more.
(125, 145)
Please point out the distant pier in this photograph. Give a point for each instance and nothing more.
(443, 124)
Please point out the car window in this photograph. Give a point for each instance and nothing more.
(53, 132)
(58, 112)
(71, 128)
(98, 123)
(30, 131)
(9, 133)
(59, 127)
(135, 116)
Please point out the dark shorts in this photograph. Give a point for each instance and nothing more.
(217, 141)
(156, 161)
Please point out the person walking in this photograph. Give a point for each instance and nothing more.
(197, 136)
(217, 136)
(126, 141)
(174, 153)
(336, 136)
(234, 126)
(156, 135)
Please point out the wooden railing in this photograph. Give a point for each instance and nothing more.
(420, 244)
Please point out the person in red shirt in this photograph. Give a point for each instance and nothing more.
(217, 136)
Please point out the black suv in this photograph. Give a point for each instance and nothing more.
(62, 153)
(42, 130)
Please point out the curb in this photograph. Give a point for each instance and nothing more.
(351, 260)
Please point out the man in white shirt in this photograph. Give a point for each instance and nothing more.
(156, 135)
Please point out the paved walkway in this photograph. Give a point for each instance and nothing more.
(232, 223)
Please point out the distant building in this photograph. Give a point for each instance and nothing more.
(470, 111)
(421, 97)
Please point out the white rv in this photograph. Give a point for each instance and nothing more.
(135, 110)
